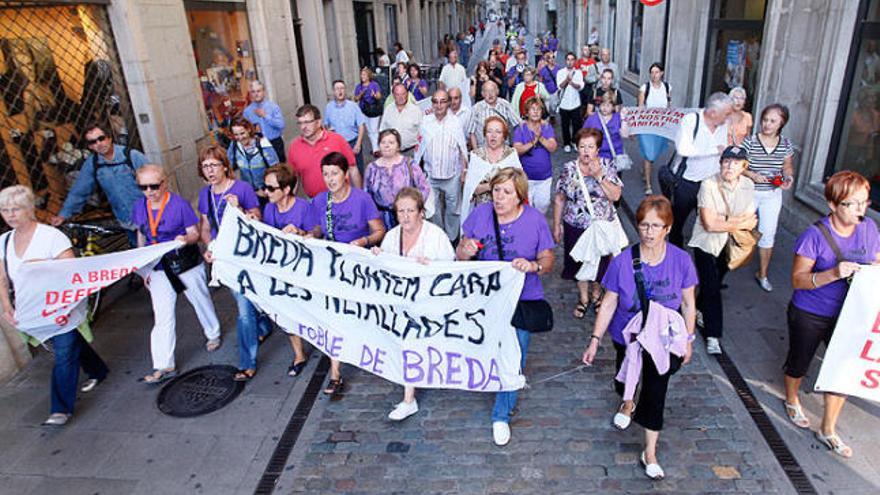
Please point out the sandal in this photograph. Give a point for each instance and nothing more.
(158, 376)
(212, 344)
(581, 310)
(333, 386)
(244, 375)
(836, 445)
(295, 368)
(796, 415)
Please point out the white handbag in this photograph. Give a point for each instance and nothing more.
(600, 239)
(622, 161)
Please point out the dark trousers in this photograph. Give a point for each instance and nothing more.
(278, 145)
(72, 351)
(571, 122)
(684, 202)
(652, 388)
(358, 158)
(711, 272)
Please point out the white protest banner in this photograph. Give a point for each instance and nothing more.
(441, 325)
(660, 121)
(851, 365)
(53, 301)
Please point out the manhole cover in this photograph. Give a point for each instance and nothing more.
(199, 391)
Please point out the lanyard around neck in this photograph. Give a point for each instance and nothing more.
(154, 222)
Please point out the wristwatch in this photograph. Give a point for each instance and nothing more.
(540, 268)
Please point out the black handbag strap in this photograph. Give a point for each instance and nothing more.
(828, 238)
(6, 262)
(497, 235)
(644, 302)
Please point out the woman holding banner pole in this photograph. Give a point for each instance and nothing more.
(508, 229)
(423, 241)
(346, 214)
(30, 240)
(827, 254)
(289, 214)
(224, 191)
(164, 216)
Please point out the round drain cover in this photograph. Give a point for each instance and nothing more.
(199, 391)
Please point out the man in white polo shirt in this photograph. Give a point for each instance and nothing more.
(699, 153)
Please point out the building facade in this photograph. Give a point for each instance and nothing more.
(818, 57)
(164, 75)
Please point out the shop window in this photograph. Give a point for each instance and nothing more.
(856, 137)
(635, 37)
(733, 51)
(59, 71)
(224, 56)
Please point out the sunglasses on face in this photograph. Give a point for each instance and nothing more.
(150, 187)
(272, 189)
(97, 140)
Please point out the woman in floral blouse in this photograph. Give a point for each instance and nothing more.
(571, 214)
(390, 173)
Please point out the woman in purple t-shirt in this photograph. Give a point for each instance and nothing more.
(346, 214)
(289, 214)
(534, 141)
(164, 216)
(670, 279)
(826, 255)
(366, 95)
(525, 242)
(614, 129)
(224, 191)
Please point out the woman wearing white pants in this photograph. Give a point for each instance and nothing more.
(163, 216)
(771, 168)
(368, 95)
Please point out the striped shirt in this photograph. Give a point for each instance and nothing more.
(481, 111)
(442, 146)
(764, 162)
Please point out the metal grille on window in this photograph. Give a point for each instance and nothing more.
(59, 71)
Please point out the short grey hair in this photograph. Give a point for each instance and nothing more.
(737, 90)
(718, 101)
(257, 82)
(20, 196)
(152, 167)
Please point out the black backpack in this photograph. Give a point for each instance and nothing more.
(126, 161)
(665, 85)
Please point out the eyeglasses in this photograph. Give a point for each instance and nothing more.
(97, 140)
(857, 204)
(647, 227)
(211, 165)
(150, 187)
(272, 189)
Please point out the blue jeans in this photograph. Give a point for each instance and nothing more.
(71, 352)
(251, 324)
(506, 401)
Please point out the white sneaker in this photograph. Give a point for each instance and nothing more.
(713, 345)
(57, 419)
(404, 410)
(622, 421)
(500, 433)
(764, 283)
(89, 385)
(567, 148)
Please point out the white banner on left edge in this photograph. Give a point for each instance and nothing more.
(53, 300)
(851, 364)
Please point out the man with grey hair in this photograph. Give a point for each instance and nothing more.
(267, 116)
(405, 116)
(491, 104)
(702, 137)
(606, 63)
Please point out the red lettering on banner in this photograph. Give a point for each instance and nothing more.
(866, 351)
(69, 296)
(76, 279)
(110, 275)
(872, 379)
(876, 328)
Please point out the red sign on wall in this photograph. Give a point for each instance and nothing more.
(651, 3)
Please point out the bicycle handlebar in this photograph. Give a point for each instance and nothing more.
(97, 229)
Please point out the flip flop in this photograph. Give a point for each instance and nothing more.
(244, 375)
(158, 376)
(580, 310)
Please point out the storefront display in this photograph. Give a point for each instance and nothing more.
(224, 56)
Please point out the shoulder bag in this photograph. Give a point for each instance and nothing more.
(838, 254)
(621, 162)
(644, 299)
(670, 178)
(534, 316)
(741, 244)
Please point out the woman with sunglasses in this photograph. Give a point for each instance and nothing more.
(345, 214)
(826, 255)
(164, 216)
(289, 214)
(223, 191)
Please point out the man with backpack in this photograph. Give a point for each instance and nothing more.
(110, 166)
(702, 136)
